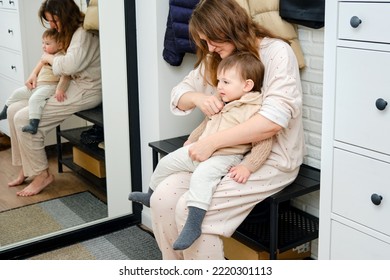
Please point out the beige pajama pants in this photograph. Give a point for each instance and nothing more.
(28, 150)
(230, 205)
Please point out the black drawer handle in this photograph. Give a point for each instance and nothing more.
(380, 104)
(11, 2)
(355, 21)
(10, 31)
(13, 67)
(376, 199)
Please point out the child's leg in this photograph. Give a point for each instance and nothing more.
(140, 197)
(22, 93)
(202, 186)
(3, 113)
(32, 127)
(192, 228)
(174, 162)
(36, 104)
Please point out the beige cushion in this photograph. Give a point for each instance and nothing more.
(91, 20)
(266, 13)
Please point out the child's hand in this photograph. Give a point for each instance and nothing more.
(60, 95)
(239, 173)
(31, 82)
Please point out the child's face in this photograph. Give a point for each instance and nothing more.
(230, 85)
(50, 46)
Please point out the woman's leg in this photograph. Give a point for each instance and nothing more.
(40, 181)
(18, 180)
(30, 149)
(163, 208)
(16, 156)
(230, 205)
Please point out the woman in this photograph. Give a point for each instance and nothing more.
(220, 28)
(82, 63)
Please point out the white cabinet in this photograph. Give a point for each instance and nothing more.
(20, 48)
(20, 45)
(355, 167)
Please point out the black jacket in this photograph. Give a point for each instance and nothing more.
(176, 41)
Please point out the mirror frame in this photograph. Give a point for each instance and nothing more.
(100, 228)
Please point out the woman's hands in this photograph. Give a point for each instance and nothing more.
(209, 104)
(47, 58)
(202, 149)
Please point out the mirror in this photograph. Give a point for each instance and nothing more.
(121, 131)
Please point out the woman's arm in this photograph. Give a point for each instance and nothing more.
(47, 58)
(193, 91)
(208, 104)
(255, 129)
(83, 49)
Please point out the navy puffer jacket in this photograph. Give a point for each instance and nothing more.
(177, 41)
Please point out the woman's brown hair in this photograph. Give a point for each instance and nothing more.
(223, 21)
(69, 15)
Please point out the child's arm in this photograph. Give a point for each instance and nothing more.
(62, 86)
(252, 161)
(197, 132)
(31, 82)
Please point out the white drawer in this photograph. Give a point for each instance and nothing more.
(350, 244)
(9, 30)
(11, 65)
(362, 78)
(355, 180)
(374, 26)
(7, 87)
(9, 4)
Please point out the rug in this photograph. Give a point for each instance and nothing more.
(49, 216)
(132, 243)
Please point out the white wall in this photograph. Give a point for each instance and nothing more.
(312, 43)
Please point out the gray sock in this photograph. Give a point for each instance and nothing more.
(32, 127)
(192, 228)
(3, 113)
(140, 197)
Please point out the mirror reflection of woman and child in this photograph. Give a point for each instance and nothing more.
(66, 80)
(261, 122)
(246, 81)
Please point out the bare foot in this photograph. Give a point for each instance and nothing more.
(18, 181)
(40, 182)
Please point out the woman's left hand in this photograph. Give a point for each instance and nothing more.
(201, 150)
(47, 58)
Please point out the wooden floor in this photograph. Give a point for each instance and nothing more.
(65, 183)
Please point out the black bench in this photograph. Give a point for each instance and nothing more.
(274, 225)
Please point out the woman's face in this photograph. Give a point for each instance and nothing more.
(224, 49)
(53, 21)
